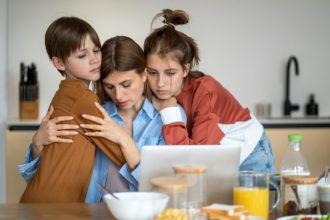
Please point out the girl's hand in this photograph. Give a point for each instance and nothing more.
(49, 132)
(105, 127)
(163, 103)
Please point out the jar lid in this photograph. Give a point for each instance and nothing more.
(295, 137)
(300, 179)
(190, 169)
(170, 183)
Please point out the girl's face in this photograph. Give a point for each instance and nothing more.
(83, 64)
(165, 75)
(125, 88)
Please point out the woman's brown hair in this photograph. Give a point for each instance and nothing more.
(120, 53)
(167, 40)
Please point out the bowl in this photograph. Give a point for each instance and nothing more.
(136, 205)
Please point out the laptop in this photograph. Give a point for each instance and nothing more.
(222, 162)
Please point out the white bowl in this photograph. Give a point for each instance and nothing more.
(136, 205)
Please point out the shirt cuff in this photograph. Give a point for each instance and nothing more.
(28, 170)
(124, 171)
(170, 115)
(28, 155)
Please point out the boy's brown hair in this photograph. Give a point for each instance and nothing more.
(66, 34)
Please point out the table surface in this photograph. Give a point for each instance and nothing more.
(60, 211)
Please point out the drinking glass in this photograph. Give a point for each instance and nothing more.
(252, 191)
(324, 192)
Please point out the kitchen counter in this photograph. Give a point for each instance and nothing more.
(296, 122)
(23, 125)
(269, 122)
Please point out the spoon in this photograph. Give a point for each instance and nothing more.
(295, 191)
(107, 191)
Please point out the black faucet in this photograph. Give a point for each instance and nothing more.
(288, 107)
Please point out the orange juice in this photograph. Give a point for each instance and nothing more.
(254, 199)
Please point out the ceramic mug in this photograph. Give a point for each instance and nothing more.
(252, 191)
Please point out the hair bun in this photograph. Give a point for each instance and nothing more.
(176, 17)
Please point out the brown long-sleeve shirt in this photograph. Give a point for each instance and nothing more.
(65, 169)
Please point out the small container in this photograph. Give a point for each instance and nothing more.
(197, 185)
(299, 195)
(175, 187)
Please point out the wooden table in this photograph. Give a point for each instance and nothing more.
(58, 211)
(61, 211)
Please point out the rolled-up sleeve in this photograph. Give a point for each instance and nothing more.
(29, 168)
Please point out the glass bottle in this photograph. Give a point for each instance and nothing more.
(294, 162)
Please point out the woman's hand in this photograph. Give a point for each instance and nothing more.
(49, 132)
(105, 127)
(163, 103)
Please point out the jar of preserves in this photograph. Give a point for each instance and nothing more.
(299, 195)
(175, 187)
(197, 185)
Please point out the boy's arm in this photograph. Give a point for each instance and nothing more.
(86, 105)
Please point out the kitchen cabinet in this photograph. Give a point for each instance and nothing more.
(315, 146)
(17, 145)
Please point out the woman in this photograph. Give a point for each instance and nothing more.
(128, 117)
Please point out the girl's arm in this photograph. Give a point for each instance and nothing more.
(204, 124)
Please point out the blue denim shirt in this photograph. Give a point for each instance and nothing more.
(261, 159)
(147, 131)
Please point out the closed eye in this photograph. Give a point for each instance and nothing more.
(108, 86)
(151, 71)
(96, 50)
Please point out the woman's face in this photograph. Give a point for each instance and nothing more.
(165, 75)
(125, 88)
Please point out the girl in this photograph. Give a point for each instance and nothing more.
(214, 115)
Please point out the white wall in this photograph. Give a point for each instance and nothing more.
(3, 96)
(244, 44)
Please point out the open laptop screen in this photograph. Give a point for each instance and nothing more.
(222, 162)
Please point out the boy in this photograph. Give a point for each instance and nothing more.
(65, 169)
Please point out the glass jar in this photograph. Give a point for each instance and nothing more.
(196, 178)
(175, 187)
(299, 195)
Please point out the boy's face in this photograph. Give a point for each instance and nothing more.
(165, 76)
(83, 64)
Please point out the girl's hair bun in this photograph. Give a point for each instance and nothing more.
(172, 18)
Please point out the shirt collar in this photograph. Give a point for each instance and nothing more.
(147, 107)
(111, 109)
